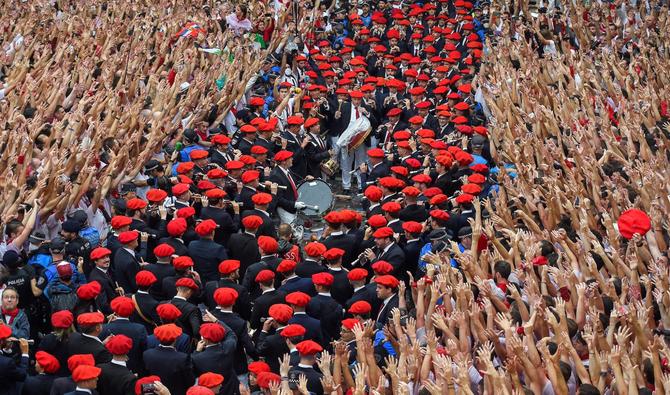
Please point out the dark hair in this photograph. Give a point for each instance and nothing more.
(588, 389)
(12, 227)
(503, 268)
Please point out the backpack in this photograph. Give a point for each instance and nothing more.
(61, 296)
(92, 235)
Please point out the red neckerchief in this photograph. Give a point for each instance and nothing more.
(11, 313)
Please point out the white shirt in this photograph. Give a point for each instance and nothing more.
(131, 252)
(92, 337)
(120, 363)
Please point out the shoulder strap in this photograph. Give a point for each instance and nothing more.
(139, 311)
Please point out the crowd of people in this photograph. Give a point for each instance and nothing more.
(504, 168)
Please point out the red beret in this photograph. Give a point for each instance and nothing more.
(258, 150)
(167, 333)
(198, 154)
(264, 379)
(333, 217)
(85, 372)
(225, 296)
(119, 221)
(76, 360)
(540, 260)
(391, 207)
(119, 344)
(377, 221)
(476, 178)
(373, 193)
(210, 379)
(394, 112)
(48, 362)
(212, 331)
(145, 278)
(333, 254)
(382, 267)
(176, 227)
(252, 222)
(387, 280)
(295, 120)
(205, 185)
(280, 312)
(324, 279)
(438, 199)
(89, 291)
(234, 165)
(350, 323)
(228, 266)
(293, 330)
(464, 198)
(268, 244)
(360, 307)
(248, 129)
(411, 191)
(400, 170)
(136, 204)
(145, 380)
(186, 282)
(256, 101)
(265, 276)
(183, 262)
(444, 160)
(122, 306)
(168, 312)
(215, 193)
(633, 221)
(156, 195)
(100, 252)
(283, 155)
(463, 158)
(199, 390)
(258, 367)
(413, 163)
(357, 274)
(300, 299)
(180, 189)
(286, 266)
(422, 179)
(261, 199)
(376, 153)
(404, 144)
(412, 227)
(315, 249)
(163, 250)
(308, 347)
(62, 319)
(382, 233)
(402, 135)
(205, 227)
(250, 176)
(90, 319)
(186, 212)
(472, 189)
(220, 139)
(128, 236)
(356, 94)
(5, 331)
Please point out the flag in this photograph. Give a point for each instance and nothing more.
(191, 29)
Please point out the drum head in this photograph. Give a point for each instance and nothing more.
(317, 195)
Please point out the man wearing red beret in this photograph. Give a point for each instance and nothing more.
(115, 376)
(378, 167)
(120, 324)
(269, 296)
(387, 292)
(86, 341)
(291, 281)
(386, 249)
(46, 367)
(229, 272)
(101, 259)
(216, 352)
(127, 259)
(299, 301)
(264, 205)
(244, 246)
(311, 264)
(224, 212)
(287, 197)
(337, 238)
(341, 289)
(207, 253)
(324, 308)
(190, 319)
(307, 350)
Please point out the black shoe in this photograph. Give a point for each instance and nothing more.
(346, 191)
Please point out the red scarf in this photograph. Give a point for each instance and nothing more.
(11, 313)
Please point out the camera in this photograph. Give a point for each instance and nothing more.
(148, 389)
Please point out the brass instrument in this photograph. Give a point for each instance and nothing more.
(329, 167)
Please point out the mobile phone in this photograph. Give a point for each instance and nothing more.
(148, 389)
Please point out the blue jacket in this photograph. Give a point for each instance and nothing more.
(20, 326)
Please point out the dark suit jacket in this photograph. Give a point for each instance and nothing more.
(80, 344)
(59, 349)
(413, 212)
(385, 313)
(412, 250)
(147, 304)
(311, 325)
(396, 257)
(138, 334)
(341, 289)
(315, 153)
(219, 358)
(271, 346)
(294, 144)
(307, 268)
(116, 379)
(182, 344)
(38, 385)
(285, 197)
(227, 224)
(298, 284)
(367, 294)
(190, 319)
(11, 374)
(206, 255)
(244, 198)
(329, 312)
(267, 228)
(346, 242)
(62, 385)
(262, 306)
(179, 245)
(374, 174)
(249, 281)
(161, 271)
(126, 267)
(244, 347)
(242, 304)
(173, 367)
(313, 379)
(107, 292)
(244, 248)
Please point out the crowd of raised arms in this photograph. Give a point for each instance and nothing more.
(497, 174)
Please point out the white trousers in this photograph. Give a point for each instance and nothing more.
(350, 161)
(285, 216)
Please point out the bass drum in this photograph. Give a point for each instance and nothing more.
(317, 195)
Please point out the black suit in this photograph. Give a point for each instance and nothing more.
(62, 385)
(329, 312)
(126, 267)
(269, 262)
(298, 284)
(219, 358)
(308, 267)
(206, 255)
(179, 245)
(366, 293)
(227, 224)
(244, 198)
(344, 241)
(59, 349)
(313, 379)
(161, 271)
(173, 367)
(294, 144)
(115, 379)
(107, 289)
(312, 326)
(147, 304)
(267, 228)
(395, 256)
(412, 250)
(12, 373)
(190, 319)
(271, 346)
(245, 346)
(377, 172)
(242, 304)
(244, 248)
(413, 212)
(385, 313)
(81, 344)
(285, 197)
(315, 153)
(138, 334)
(38, 385)
(262, 306)
(341, 289)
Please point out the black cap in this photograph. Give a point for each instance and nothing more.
(11, 259)
(465, 231)
(71, 225)
(437, 234)
(191, 136)
(127, 187)
(78, 215)
(151, 164)
(120, 205)
(37, 238)
(57, 244)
